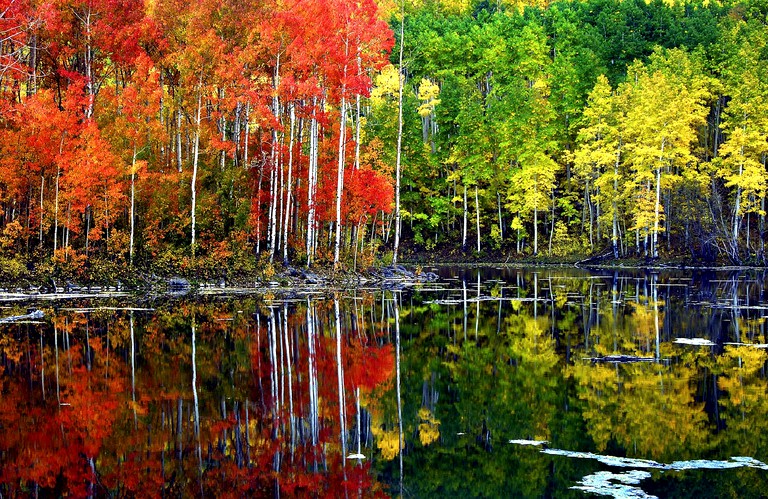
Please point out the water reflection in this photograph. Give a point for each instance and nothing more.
(372, 393)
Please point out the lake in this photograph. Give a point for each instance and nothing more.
(494, 382)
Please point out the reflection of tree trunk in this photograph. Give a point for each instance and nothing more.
(238, 437)
(133, 374)
(197, 407)
(340, 377)
(92, 478)
(401, 441)
(179, 433)
(477, 307)
(357, 406)
(247, 435)
(655, 290)
(56, 349)
(464, 302)
(552, 331)
(287, 350)
(614, 303)
(735, 311)
(275, 386)
(42, 367)
(313, 399)
(87, 346)
(498, 318)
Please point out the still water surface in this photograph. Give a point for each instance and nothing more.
(509, 383)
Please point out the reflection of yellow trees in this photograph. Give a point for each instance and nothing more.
(11, 349)
(648, 409)
(380, 404)
(632, 331)
(745, 408)
(661, 414)
(388, 443)
(429, 428)
(598, 387)
(534, 350)
(643, 324)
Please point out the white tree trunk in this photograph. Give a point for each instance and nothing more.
(42, 191)
(312, 183)
(274, 163)
(535, 218)
(178, 140)
(657, 207)
(195, 158)
(56, 213)
(286, 222)
(615, 207)
(477, 218)
(464, 230)
(340, 177)
(736, 209)
(247, 132)
(133, 205)
(398, 158)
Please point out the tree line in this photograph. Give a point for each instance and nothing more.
(192, 135)
(629, 129)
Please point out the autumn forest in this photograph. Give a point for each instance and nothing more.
(198, 135)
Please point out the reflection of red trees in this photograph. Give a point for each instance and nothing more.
(52, 445)
(368, 366)
(99, 441)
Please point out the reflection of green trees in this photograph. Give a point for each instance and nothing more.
(515, 383)
(502, 385)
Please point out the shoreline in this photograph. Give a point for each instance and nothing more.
(301, 282)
